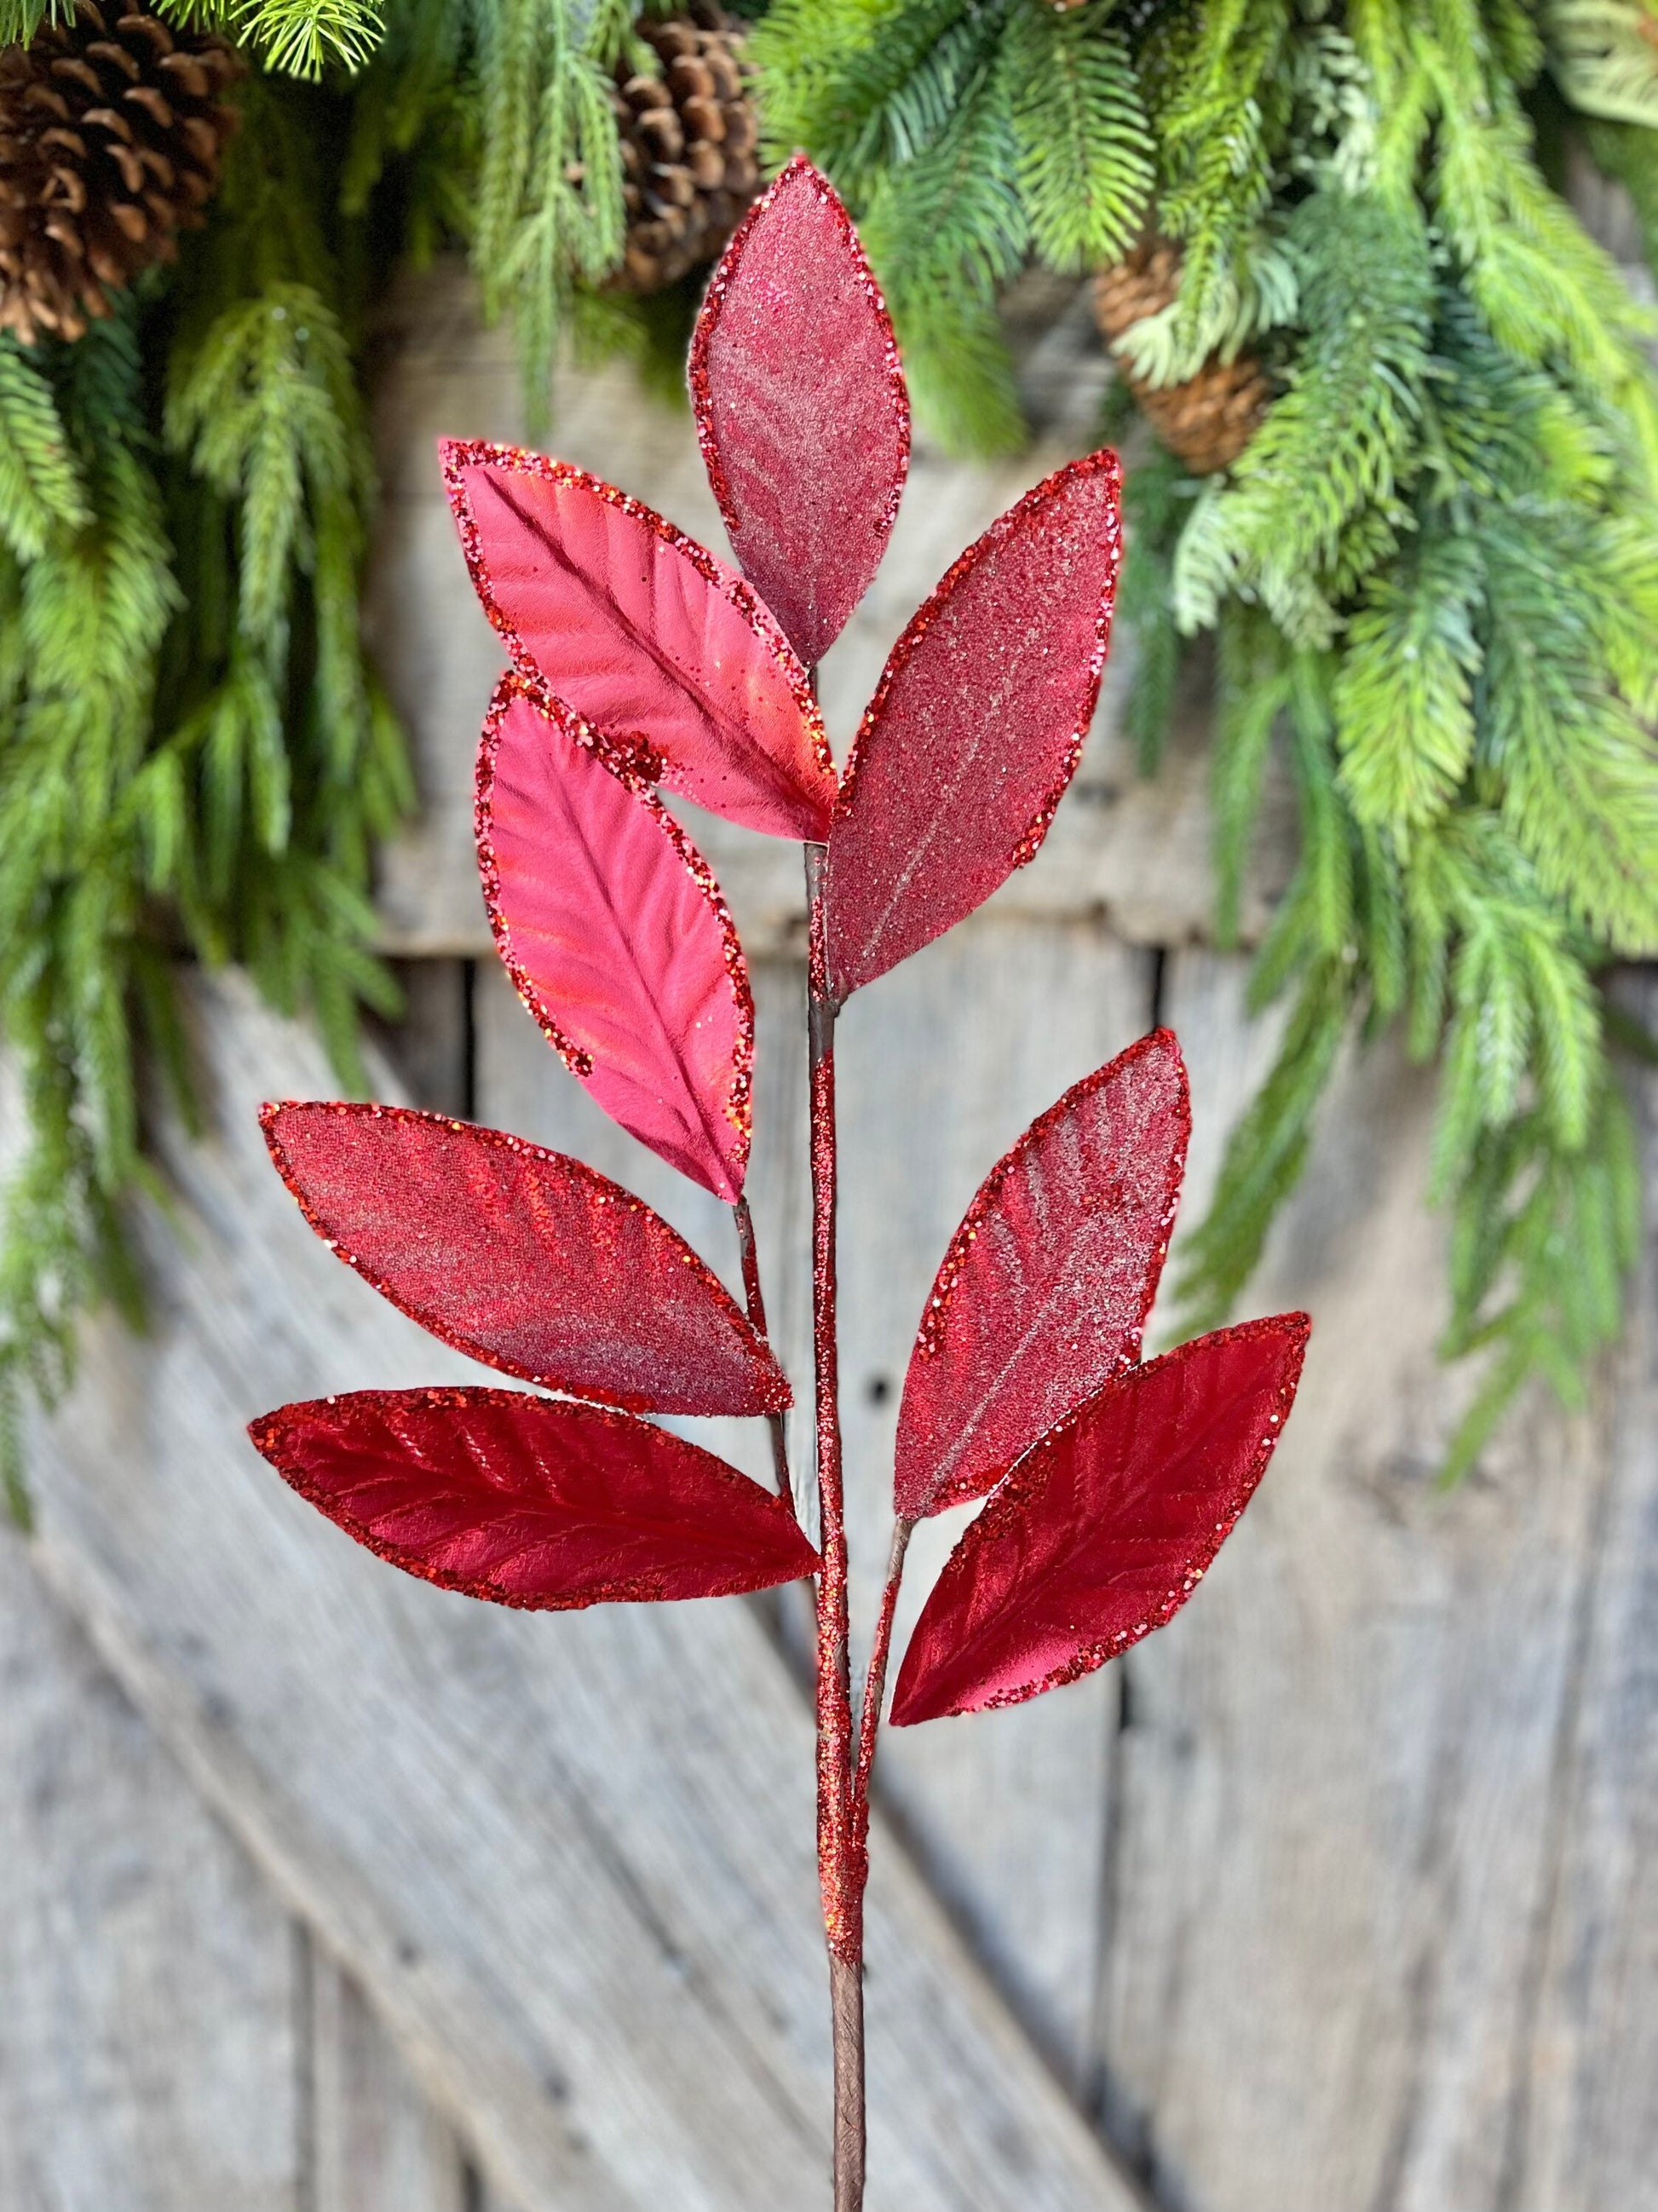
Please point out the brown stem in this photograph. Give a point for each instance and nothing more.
(874, 1687)
(839, 1867)
(753, 1298)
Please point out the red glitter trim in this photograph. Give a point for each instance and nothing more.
(1022, 510)
(279, 1436)
(624, 750)
(997, 1546)
(930, 821)
(799, 171)
(922, 1414)
(768, 1390)
(514, 686)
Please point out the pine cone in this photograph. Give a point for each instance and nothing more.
(1208, 420)
(689, 134)
(110, 139)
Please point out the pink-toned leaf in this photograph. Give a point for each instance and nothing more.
(801, 407)
(1043, 1294)
(528, 1502)
(679, 669)
(522, 1258)
(976, 726)
(1105, 1528)
(613, 928)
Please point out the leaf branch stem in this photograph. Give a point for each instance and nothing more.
(840, 1862)
(753, 1299)
(875, 1687)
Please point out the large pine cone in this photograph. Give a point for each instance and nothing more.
(689, 134)
(111, 133)
(1208, 420)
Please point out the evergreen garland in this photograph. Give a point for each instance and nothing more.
(1433, 572)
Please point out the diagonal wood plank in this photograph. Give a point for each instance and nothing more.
(570, 1858)
(150, 2044)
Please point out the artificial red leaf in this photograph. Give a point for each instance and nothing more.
(1104, 1529)
(522, 1258)
(976, 726)
(612, 927)
(801, 407)
(680, 670)
(1043, 1294)
(528, 1502)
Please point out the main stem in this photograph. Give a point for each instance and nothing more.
(840, 1859)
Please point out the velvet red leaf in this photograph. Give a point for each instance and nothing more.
(1104, 1529)
(976, 726)
(528, 1502)
(801, 407)
(522, 1258)
(612, 927)
(1044, 1293)
(679, 669)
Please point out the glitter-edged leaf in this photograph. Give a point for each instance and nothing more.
(615, 933)
(522, 1258)
(976, 726)
(1104, 1529)
(526, 1502)
(681, 671)
(1043, 1294)
(801, 407)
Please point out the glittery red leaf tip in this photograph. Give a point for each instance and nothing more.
(801, 407)
(671, 658)
(1107, 1526)
(522, 1258)
(611, 924)
(977, 724)
(1043, 1294)
(526, 1502)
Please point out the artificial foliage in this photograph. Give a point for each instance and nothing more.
(1430, 569)
(638, 659)
(196, 758)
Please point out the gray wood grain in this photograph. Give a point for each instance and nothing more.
(150, 2045)
(379, 2144)
(1133, 850)
(941, 1067)
(569, 1857)
(1340, 1805)
(1582, 2129)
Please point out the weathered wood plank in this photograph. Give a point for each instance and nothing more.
(1583, 2131)
(569, 1857)
(379, 2146)
(1133, 850)
(1338, 1775)
(149, 2054)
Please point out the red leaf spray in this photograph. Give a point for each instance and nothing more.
(638, 659)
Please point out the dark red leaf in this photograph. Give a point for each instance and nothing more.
(976, 726)
(526, 1502)
(1044, 1291)
(612, 927)
(522, 1258)
(1104, 1529)
(680, 670)
(801, 407)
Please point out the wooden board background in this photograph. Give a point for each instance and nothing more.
(1335, 1897)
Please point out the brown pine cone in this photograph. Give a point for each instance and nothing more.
(112, 134)
(1210, 418)
(689, 134)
